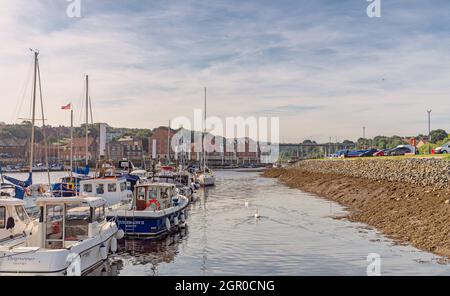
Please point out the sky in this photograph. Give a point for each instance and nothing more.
(322, 66)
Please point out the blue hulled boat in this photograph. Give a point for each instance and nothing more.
(156, 208)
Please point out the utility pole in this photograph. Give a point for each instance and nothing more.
(429, 132)
(364, 135)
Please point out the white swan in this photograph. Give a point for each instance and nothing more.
(257, 214)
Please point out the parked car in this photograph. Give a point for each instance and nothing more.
(381, 152)
(402, 150)
(444, 149)
(368, 152)
(356, 153)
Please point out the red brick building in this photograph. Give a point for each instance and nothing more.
(161, 136)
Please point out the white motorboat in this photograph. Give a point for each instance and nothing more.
(205, 179)
(71, 237)
(182, 179)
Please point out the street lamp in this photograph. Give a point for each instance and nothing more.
(429, 132)
(364, 136)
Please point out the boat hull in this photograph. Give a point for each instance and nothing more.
(149, 224)
(206, 180)
(34, 261)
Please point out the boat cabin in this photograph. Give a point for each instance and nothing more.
(154, 196)
(114, 190)
(64, 221)
(13, 218)
(177, 178)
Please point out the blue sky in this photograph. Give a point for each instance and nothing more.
(322, 66)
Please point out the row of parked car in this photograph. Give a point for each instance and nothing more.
(399, 150)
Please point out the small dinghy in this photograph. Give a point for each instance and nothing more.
(156, 209)
(70, 237)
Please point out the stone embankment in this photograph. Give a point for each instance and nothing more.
(406, 199)
(417, 171)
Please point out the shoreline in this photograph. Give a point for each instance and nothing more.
(403, 212)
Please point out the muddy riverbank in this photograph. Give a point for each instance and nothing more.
(408, 213)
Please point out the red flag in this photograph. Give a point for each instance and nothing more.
(66, 107)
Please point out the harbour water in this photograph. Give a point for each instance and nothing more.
(296, 234)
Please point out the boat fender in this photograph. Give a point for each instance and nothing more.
(103, 252)
(182, 218)
(175, 221)
(74, 268)
(167, 223)
(113, 245)
(120, 234)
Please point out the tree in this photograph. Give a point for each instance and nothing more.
(438, 135)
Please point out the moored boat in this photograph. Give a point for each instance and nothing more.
(71, 237)
(156, 208)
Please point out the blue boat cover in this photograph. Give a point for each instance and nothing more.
(20, 185)
(82, 171)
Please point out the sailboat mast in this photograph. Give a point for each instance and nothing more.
(204, 132)
(71, 140)
(87, 117)
(168, 143)
(33, 118)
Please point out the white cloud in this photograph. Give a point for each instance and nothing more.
(148, 65)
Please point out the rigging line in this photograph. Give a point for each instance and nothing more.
(26, 82)
(82, 103)
(43, 126)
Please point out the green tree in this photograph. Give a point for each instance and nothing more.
(437, 135)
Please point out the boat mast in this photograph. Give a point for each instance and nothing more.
(71, 140)
(168, 143)
(87, 117)
(33, 118)
(203, 137)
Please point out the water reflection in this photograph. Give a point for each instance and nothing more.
(150, 252)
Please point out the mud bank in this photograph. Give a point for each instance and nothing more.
(406, 212)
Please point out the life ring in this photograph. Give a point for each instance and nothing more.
(153, 201)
